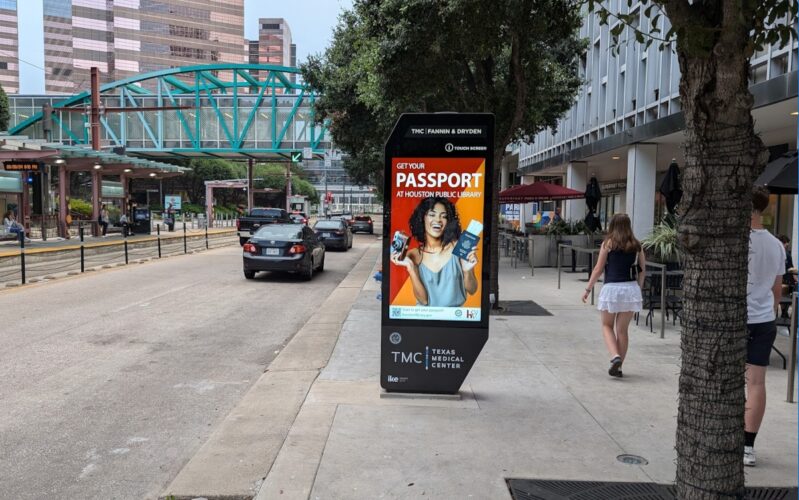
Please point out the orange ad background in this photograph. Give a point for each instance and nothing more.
(468, 209)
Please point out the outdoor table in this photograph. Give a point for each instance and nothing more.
(663, 274)
(589, 251)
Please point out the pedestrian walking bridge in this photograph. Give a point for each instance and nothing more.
(235, 111)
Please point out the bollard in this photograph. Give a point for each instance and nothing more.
(158, 237)
(185, 250)
(206, 236)
(82, 252)
(125, 234)
(531, 254)
(22, 254)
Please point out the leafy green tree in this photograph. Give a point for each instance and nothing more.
(714, 40)
(207, 169)
(273, 176)
(516, 59)
(4, 113)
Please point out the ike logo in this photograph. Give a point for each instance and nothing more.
(392, 378)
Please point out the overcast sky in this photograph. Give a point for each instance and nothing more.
(311, 22)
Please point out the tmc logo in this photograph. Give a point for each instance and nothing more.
(407, 357)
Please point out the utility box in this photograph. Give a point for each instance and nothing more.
(140, 221)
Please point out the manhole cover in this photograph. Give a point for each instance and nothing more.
(519, 308)
(632, 460)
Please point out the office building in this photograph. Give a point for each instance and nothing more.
(273, 45)
(626, 125)
(9, 46)
(124, 38)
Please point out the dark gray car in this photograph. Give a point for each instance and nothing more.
(284, 247)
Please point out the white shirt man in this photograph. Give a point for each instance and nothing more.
(763, 290)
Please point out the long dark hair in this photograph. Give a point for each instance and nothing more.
(620, 235)
(452, 231)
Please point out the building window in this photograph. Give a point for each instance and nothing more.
(3, 65)
(270, 26)
(758, 74)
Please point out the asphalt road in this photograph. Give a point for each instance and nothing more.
(112, 380)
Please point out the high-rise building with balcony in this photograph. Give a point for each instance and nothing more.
(9, 46)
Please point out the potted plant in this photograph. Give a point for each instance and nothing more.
(662, 245)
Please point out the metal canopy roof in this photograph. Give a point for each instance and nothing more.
(78, 158)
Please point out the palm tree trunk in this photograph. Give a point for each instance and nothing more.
(723, 154)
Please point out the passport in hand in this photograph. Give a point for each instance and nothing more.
(468, 240)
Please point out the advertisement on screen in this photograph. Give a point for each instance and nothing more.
(436, 238)
(437, 223)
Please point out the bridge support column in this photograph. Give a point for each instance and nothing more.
(209, 205)
(97, 189)
(63, 201)
(249, 185)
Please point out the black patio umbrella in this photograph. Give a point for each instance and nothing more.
(670, 187)
(592, 194)
(592, 197)
(780, 176)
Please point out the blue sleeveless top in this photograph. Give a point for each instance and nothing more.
(617, 269)
(445, 287)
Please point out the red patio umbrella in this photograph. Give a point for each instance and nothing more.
(538, 191)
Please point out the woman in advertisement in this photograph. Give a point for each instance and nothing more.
(439, 278)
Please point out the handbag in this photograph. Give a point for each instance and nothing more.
(635, 269)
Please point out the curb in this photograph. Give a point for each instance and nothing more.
(235, 460)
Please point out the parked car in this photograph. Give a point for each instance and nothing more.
(299, 218)
(284, 247)
(334, 233)
(348, 218)
(363, 223)
(247, 225)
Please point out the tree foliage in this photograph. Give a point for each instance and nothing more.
(516, 59)
(4, 113)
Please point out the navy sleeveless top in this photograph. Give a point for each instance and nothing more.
(617, 269)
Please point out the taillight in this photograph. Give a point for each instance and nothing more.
(238, 224)
(370, 222)
(249, 248)
(297, 249)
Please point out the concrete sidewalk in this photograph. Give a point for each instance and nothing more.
(538, 404)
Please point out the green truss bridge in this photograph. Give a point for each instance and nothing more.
(234, 111)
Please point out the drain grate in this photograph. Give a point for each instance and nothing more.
(540, 489)
(632, 460)
(519, 308)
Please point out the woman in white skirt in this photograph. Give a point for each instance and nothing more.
(622, 261)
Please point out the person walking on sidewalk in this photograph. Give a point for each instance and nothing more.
(622, 261)
(103, 219)
(763, 288)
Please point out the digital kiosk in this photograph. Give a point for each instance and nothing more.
(436, 250)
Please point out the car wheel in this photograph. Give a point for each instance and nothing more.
(322, 264)
(242, 241)
(350, 246)
(308, 273)
(249, 274)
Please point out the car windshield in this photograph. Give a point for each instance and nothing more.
(279, 232)
(328, 224)
(265, 212)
